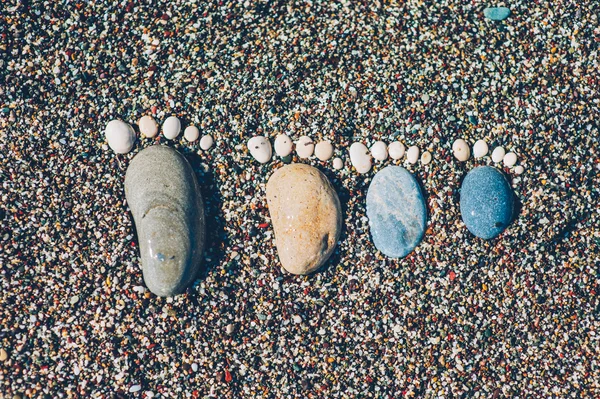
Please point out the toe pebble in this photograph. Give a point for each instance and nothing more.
(360, 157)
(510, 159)
(338, 163)
(426, 158)
(498, 154)
(324, 150)
(412, 155)
(305, 147)
(283, 145)
(191, 133)
(148, 126)
(396, 150)
(461, 150)
(171, 127)
(260, 148)
(379, 151)
(480, 149)
(519, 170)
(206, 142)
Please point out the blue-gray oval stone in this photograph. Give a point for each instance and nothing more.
(496, 13)
(397, 212)
(486, 202)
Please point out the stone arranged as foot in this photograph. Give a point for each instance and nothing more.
(306, 215)
(397, 211)
(168, 212)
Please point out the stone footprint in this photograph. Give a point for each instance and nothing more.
(168, 212)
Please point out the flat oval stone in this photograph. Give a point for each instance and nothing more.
(480, 149)
(120, 136)
(283, 145)
(412, 155)
(191, 133)
(396, 150)
(486, 202)
(206, 142)
(168, 212)
(148, 126)
(397, 212)
(498, 154)
(260, 148)
(324, 150)
(171, 127)
(305, 147)
(496, 13)
(461, 150)
(338, 163)
(379, 151)
(306, 215)
(360, 157)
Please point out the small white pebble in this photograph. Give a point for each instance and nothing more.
(191, 133)
(283, 145)
(194, 367)
(412, 155)
(510, 159)
(171, 127)
(498, 154)
(324, 150)
(519, 170)
(379, 151)
(426, 158)
(396, 150)
(206, 142)
(305, 147)
(461, 150)
(338, 163)
(480, 149)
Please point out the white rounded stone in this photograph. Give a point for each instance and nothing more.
(171, 127)
(498, 154)
(510, 159)
(120, 136)
(338, 163)
(324, 150)
(412, 155)
(519, 170)
(379, 151)
(480, 149)
(305, 147)
(260, 148)
(148, 126)
(360, 157)
(283, 145)
(461, 150)
(191, 133)
(396, 150)
(206, 142)
(426, 158)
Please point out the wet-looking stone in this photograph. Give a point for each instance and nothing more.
(168, 212)
(306, 215)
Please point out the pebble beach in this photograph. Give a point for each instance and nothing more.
(459, 317)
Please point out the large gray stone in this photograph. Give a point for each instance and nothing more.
(165, 200)
(306, 215)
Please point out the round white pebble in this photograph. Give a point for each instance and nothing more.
(379, 151)
(498, 154)
(412, 155)
(283, 145)
(206, 142)
(191, 133)
(360, 157)
(135, 388)
(461, 150)
(120, 136)
(519, 170)
(510, 159)
(480, 149)
(396, 150)
(171, 127)
(338, 163)
(260, 148)
(426, 158)
(305, 147)
(148, 126)
(324, 150)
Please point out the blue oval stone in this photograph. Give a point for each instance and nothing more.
(496, 13)
(486, 202)
(396, 211)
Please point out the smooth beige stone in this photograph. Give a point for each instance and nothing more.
(148, 126)
(461, 150)
(306, 215)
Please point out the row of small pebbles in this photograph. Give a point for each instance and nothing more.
(121, 137)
